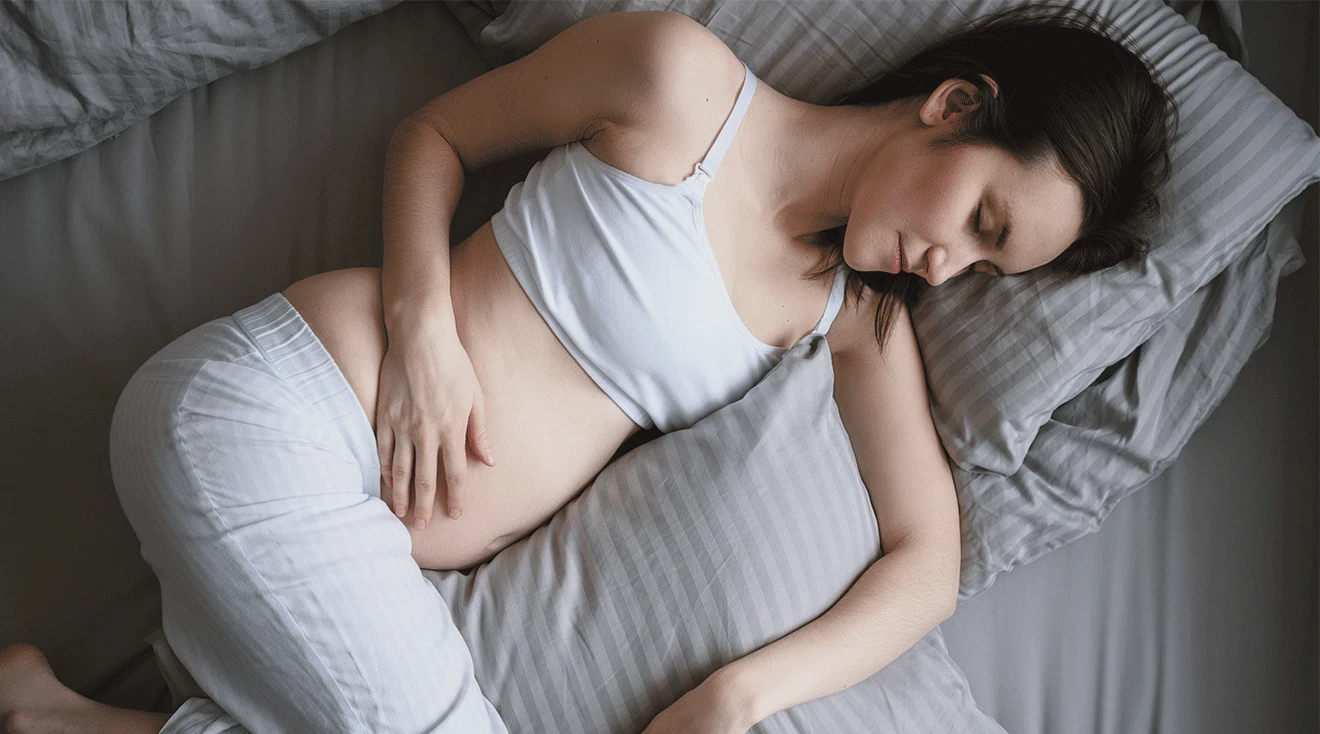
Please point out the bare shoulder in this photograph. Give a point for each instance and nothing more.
(678, 62)
(679, 53)
(692, 80)
(697, 77)
(854, 325)
(852, 335)
(692, 56)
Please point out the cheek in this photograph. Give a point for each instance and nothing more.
(919, 191)
(865, 238)
(938, 190)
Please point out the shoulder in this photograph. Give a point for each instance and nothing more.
(662, 36)
(666, 52)
(662, 54)
(684, 50)
(852, 335)
(685, 69)
(695, 73)
(688, 81)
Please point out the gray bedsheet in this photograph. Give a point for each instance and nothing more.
(1194, 607)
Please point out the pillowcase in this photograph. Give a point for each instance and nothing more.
(690, 552)
(1126, 428)
(1029, 482)
(74, 74)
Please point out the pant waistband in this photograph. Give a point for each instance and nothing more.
(297, 355)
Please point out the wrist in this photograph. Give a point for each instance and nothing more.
(427, 314)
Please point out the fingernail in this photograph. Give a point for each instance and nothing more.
(418, 524)
(455, 513)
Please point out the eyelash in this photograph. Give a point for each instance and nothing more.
(977, 226)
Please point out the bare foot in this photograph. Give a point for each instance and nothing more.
(33, 700)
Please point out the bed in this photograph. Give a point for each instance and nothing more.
(1193, 607)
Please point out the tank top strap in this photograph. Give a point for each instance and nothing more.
(711, 163)
(834, 302)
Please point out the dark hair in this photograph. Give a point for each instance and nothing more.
(1064, 88)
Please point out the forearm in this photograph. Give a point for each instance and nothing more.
(894, 603)
(423, 183)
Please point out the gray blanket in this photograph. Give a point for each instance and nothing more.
(75, 73)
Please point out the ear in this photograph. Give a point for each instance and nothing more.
(951, 99)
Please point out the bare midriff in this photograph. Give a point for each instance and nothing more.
(551, 428)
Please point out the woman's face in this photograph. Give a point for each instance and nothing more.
(942, 213)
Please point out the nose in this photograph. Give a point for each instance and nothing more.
(938, 264)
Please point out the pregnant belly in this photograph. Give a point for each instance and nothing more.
(551, 427)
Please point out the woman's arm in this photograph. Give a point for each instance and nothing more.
(423, 182)
(429, 405)
(913, 586)
(599, 71)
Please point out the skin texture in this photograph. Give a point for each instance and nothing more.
(876, 170)
(793, 169)
(930, 204)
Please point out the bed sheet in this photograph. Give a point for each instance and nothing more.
(1192, 609)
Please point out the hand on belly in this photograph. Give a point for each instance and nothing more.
(549, 451)
(551, 426)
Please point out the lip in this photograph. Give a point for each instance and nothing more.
(899, 266)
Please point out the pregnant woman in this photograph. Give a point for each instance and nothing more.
(290, 468)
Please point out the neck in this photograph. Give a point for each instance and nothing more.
(817, 155)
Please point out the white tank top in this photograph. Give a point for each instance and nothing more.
(622, 271)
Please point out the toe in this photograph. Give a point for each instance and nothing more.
(21, 654)
(18, 722)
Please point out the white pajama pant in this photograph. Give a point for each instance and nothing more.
(248, 470)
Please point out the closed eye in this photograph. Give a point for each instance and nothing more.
(976, 227)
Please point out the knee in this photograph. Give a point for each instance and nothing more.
(143, 426)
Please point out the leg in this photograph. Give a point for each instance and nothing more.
(247, 468)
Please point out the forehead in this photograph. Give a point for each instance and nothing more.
(1041, 202)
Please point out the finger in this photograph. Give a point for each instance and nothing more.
(425, 481)
(454, 455)
(477, 435)
(385, 451)
(400, 472)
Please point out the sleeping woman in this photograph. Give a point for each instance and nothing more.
(289, 468)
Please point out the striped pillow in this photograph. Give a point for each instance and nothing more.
(689, 552)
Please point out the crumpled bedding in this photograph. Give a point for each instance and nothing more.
(75, 73)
